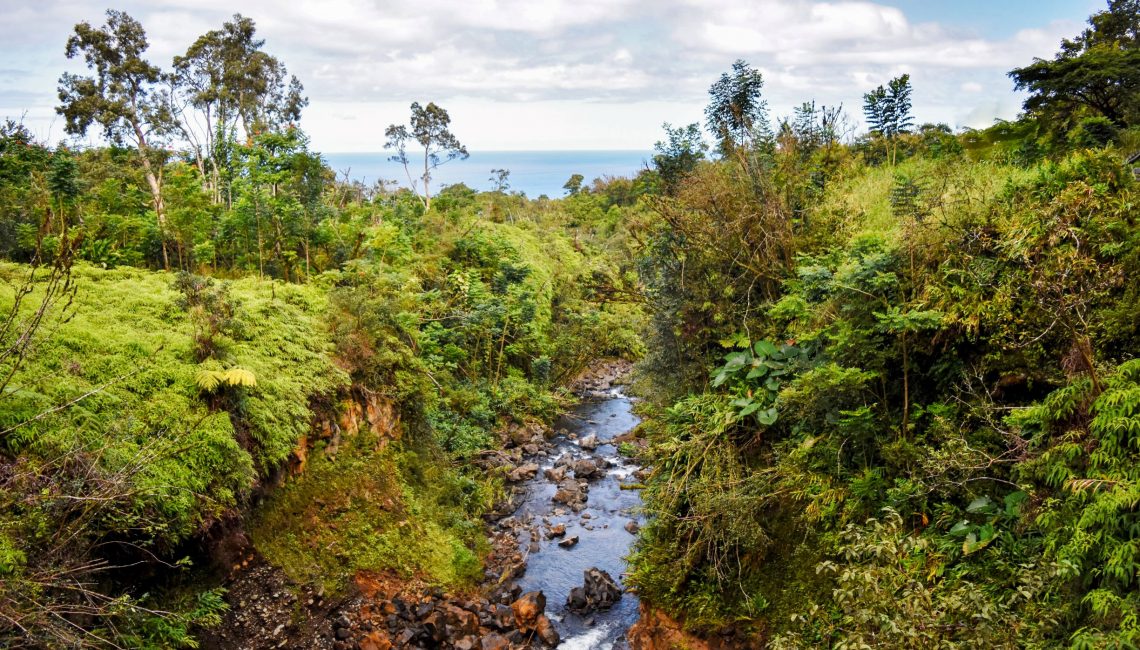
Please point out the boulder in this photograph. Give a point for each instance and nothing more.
(459, 621)
(557, 530)
(569, 542)
(587, 468)
(599, 592)
(528, 608)
(632, 527)
(523, 472)
(546, 632)
(589, 442)
(571, 493)
(555, 474)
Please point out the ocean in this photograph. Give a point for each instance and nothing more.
(532, 172)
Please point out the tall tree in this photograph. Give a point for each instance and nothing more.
(122, 96)
(429, 129)
(223, 81)
(735, 109)
(500, 180)
(888, 111)
(1096, 73)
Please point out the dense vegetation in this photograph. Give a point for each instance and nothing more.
(891, 393)
(910, 409)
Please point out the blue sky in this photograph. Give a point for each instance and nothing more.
(997, 18)
(573, 74)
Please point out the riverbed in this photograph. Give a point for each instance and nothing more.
(601, 526)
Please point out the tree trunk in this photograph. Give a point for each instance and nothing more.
(159, 205)
(155, 182)
(427, 178)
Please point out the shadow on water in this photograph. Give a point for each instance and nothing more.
(601, 527)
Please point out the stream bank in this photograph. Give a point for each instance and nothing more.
(541, 550)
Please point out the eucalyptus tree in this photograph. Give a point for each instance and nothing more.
(123, 96)
(429, 130)
(736, 112)
(887, 110)
(225, 81)
(500, 180)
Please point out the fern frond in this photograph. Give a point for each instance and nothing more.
(239, 377)
(208, 380)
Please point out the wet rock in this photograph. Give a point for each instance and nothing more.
(632, 527)
(571, 493)
(555, 474)
(589, 442)
(546, 632)
(587, 468)
(569, 542)
(523, 472)
(557, 530)
(528, 608)
(599, 592)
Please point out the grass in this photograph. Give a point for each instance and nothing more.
(861, 199)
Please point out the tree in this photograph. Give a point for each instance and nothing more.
(499, 179)
(574, 184)
(122, 97)
(888, 111)
(677, 156)
(1098, 71)
(429, 129)
(225, 80)
(735, 109)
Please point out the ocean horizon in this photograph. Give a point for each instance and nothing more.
(532, 172)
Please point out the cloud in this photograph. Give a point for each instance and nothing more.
(555, 53)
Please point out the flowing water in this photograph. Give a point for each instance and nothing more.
(603, 538)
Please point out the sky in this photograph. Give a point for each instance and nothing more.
(571, 74)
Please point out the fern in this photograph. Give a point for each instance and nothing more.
(209, 381)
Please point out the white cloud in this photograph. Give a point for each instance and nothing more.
(579, 62)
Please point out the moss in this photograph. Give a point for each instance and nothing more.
(123, 362)
(378, 508)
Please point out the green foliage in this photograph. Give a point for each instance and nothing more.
(679, 155)
(736, 114)
(953, 447)
(1092, 74)
(377, 508)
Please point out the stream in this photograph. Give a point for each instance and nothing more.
(604, 540)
